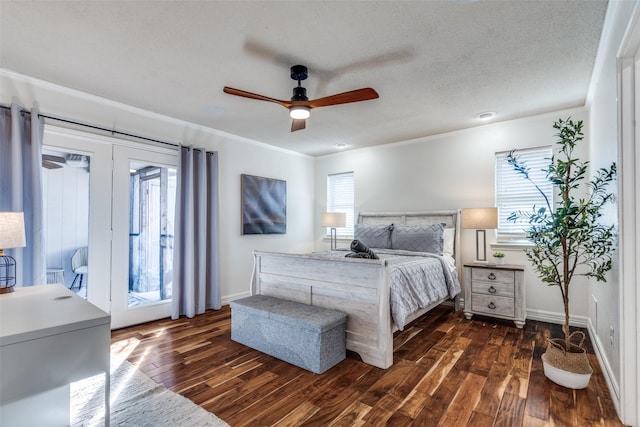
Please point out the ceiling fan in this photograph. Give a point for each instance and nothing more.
(300, 106)
(52, 162)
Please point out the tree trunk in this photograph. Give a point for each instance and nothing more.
(565, 327)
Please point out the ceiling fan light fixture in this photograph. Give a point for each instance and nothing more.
(299, 112)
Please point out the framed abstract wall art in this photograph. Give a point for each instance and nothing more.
(264, 205)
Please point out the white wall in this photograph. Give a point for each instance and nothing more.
(603, 127)
(236, 250)
(605, 315)
(236, 156)
(450, 171)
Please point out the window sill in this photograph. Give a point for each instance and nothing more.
(511, 245)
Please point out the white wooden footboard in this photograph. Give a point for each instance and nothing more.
(357, 287)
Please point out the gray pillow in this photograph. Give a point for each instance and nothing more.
(373, 235)
(418, 238)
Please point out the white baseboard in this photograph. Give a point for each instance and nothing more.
(227, 299)
(557, 318)
(614, 388)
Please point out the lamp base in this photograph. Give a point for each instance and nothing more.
(481, 246)
(6, 290)
(334, 239)
(7, 273)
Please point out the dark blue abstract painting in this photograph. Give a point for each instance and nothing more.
(264, 205)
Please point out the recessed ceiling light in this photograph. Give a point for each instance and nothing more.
(341, 146)
(213, 110)
(487, 115)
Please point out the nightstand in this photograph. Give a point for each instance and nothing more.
(496, 291)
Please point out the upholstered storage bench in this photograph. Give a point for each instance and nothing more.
(310, 337)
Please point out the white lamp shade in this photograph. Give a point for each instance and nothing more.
(333, 219)
(480, 218)
(12, 230)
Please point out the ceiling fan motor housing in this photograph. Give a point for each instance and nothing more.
(299, 72)
(299, 94)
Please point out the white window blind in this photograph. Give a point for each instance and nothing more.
(340, 196)
(515, 193)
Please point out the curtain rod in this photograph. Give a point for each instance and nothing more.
(112, 131)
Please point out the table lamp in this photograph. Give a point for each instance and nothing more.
(11, 236)
(480, 219)
(333, 220)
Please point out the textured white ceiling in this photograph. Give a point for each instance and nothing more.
(435, 64)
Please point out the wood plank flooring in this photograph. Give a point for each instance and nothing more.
(448, 371)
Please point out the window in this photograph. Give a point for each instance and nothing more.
(340, 191)
(514, 192)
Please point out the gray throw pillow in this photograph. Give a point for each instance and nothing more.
(374, 236)
(418, 238)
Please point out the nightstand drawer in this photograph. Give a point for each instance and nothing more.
(499, 289)
(492, 275)
(493, 305)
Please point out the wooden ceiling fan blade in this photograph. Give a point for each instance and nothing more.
(298, 124)
(344, 98)
(250, 95)
(52, 158)
(50, 165)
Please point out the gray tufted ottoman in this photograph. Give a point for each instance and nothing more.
(310, 337)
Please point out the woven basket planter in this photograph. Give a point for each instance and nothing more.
(567, 368)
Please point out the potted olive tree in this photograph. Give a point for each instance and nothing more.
(568, 241)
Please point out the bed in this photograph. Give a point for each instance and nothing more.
(360, 287)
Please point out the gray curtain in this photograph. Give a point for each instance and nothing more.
(21, 188)
(196, 265)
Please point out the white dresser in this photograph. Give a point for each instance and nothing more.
(49, 337)
(495, 290)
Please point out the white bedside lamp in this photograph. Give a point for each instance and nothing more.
(333, 220)
(11, 236)
(480, 219)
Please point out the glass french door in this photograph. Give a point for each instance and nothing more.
(144, 191)
(77, 212)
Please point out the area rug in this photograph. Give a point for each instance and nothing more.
(136, 400)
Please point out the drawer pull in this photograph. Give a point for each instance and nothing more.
(492, 306)
(492, 276)
(492, 290)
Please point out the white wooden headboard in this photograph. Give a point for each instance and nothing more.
(451, 219)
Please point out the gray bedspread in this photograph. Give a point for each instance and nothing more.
(418, 279)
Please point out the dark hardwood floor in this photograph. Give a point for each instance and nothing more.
(448, 371)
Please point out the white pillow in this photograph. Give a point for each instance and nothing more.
(449, 237)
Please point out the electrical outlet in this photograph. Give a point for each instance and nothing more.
(612, 332)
